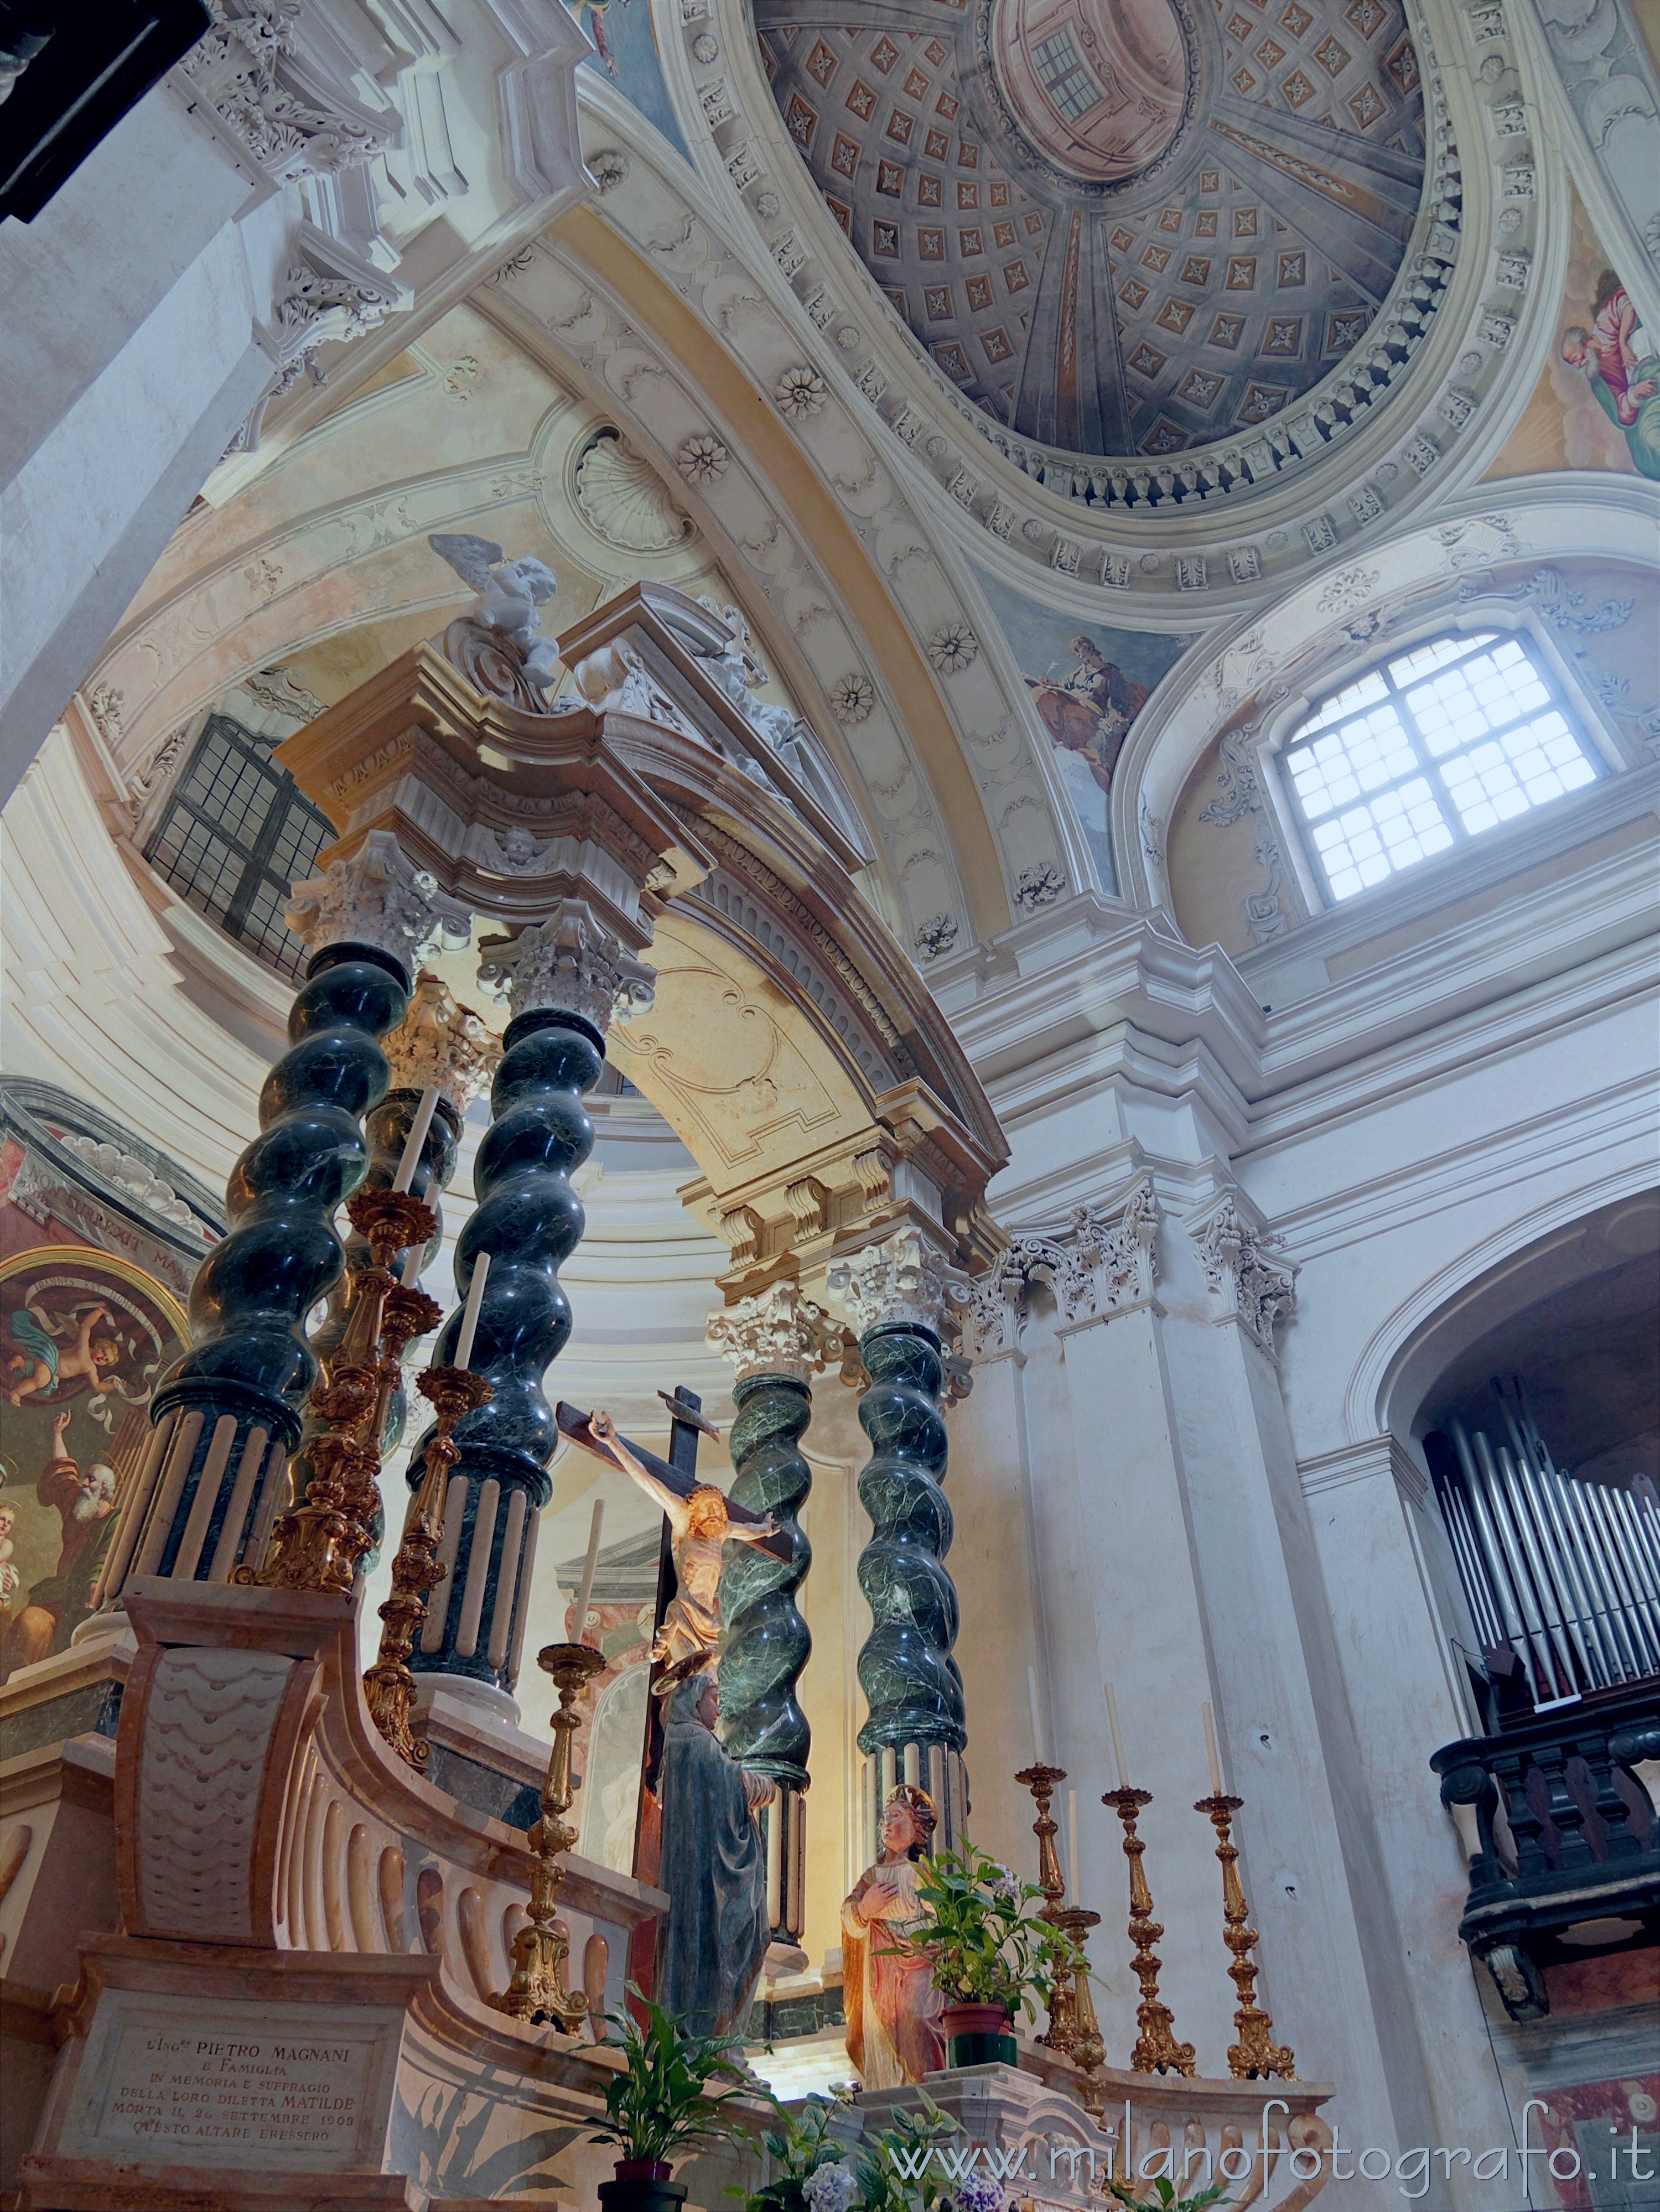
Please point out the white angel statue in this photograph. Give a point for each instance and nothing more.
(511, 595)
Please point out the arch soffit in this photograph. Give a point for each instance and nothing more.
(1226, 672)
(1459, 1303)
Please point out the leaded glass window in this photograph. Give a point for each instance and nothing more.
(1428, 750)
(236, 834)
(1064, 77)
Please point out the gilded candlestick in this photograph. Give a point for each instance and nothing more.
(1088, 2049)
(541, 1949)
(1156, 2051)
(1041, 1780)
(317, 1545)
(1256, 2056)
(389, 1685)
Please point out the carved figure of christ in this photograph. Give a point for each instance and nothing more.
(701, 1523)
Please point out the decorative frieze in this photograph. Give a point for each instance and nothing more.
(1251, 1288)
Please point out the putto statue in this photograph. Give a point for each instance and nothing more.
(699, 1530)
(499, 647)
(893, 2009)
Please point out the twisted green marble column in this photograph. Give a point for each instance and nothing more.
(777, 1340)
(916, 1728)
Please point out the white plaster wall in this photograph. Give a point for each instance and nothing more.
(127, 359)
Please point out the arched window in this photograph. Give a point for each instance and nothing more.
(1427, 749)
(236, 834)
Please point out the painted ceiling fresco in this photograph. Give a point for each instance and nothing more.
(1119, 226)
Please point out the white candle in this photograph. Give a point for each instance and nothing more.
(1072, 1842)
(590, 1567)
(412, 1260)
(416, 1138)
(1040, 1749)
(1118, 1758)
(481, 1268)
(1216, 1790)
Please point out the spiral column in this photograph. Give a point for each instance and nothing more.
(895, 1295)
(563, 978)
(777, 1341)
(228, 1418)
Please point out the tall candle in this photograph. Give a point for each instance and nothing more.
(590, 1567)
(481, 1268)
(416, 1138)
(1071, 1842)
(1119, 1760)
(412, 1260)
(1039, 1747)
(1210, 1752)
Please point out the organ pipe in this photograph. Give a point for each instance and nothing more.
(1564, 1571)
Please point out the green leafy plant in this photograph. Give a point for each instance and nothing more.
(894, 2170)
(983, 1938)
(660, 2105)
(794, 2149)
(1164, 2197)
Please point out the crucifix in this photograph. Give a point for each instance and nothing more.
(698, 1521)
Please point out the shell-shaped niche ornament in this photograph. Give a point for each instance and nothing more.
(625, 501)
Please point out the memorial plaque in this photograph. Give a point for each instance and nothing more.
(275, 2086)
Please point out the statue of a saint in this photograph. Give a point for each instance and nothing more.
(699, 1530)
(713, 1868)
(893, 2009)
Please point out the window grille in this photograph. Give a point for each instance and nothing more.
(1427, 750)
(235, 836)
(1064, 77)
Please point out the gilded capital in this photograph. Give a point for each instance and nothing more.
(778, 1332)
(442, 1042)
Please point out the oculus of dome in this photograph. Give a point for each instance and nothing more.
(1097, 89)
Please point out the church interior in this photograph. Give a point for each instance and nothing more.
(829, 1249)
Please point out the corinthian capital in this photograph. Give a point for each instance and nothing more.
(904, 1278)
(570, 961)
(778, 1332)
(441, 1040)
(1254, 1290)
(377, 897)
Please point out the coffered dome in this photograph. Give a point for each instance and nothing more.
(1122, 226)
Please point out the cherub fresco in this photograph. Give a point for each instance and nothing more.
(43, 1364)
(1620, 363)
(1089, 712)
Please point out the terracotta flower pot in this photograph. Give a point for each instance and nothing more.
(979, 2035)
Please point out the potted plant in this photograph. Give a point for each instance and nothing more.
(804, 2173)
(990, 1953)
(660, 2105)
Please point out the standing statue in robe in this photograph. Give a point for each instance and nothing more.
(713, 1868)
(893, 2009)
(699, 1530)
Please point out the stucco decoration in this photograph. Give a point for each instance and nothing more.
(625, 500)
(1124, 230)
